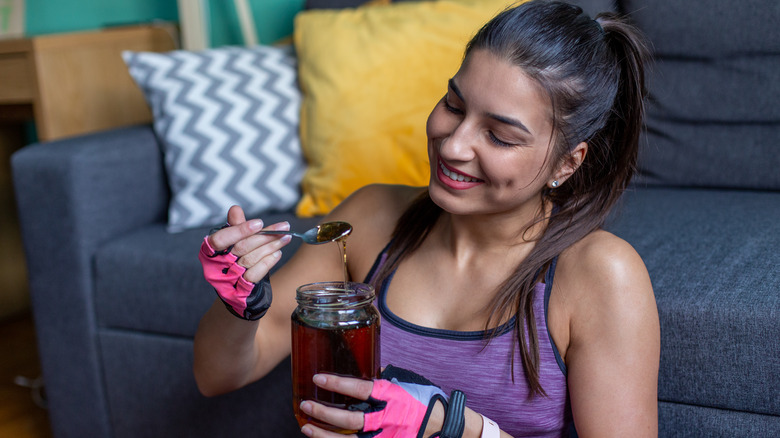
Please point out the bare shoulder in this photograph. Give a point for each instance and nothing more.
(605, 267)
(606, 286)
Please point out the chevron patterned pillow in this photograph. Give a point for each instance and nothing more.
(227, 120)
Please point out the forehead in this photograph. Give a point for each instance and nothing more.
(493, 84)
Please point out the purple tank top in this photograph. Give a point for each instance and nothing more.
(459, 360)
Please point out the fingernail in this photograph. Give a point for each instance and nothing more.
(256, 225)
(285, 226)
(286, 238)
(306, 430)
(319, 379)
(306, 407)
(277, 254)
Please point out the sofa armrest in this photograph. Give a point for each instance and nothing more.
(72, 196)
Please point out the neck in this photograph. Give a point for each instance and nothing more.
(508, 236)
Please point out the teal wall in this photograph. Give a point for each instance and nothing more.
(54, 16)
(273, 18)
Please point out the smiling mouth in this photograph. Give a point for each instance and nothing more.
(456, 176)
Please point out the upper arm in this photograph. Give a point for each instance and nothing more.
(614, 346)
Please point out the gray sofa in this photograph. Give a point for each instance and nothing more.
(117, 299)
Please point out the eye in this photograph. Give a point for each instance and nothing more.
(451, 108)
(498, 141)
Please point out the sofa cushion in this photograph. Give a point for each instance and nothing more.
(370, 77)
(151, 390)
(713, 118)
(227, 120)
(140, 279)
(712, 260)
(677, 420)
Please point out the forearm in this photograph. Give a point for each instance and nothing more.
(230, 337)
(473, 427)
(225, 352)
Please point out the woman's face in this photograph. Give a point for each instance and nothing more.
(489, 139)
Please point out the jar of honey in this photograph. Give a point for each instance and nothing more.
(335, 330)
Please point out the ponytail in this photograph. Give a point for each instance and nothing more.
(594, 73)
(620, 135)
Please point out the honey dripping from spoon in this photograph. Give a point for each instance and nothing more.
(342, 245)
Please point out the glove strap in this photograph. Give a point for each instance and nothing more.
(455, 418)
(431, 404)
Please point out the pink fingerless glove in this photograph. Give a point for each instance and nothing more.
(244, 299)
(401, 403)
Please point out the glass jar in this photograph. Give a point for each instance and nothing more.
(335, 329)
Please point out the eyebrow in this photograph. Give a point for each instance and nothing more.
(503, 119)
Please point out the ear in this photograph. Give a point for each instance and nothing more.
(569, 165)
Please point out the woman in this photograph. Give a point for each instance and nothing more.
(495, 280)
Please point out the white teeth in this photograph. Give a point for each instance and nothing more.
(455, 176)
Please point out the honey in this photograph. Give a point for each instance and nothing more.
(335, 329)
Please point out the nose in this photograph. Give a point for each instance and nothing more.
(459, 145)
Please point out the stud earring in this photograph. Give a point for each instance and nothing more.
(554, 184)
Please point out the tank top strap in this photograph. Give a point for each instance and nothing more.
(550, 274)
(549, 277)
(381, 258)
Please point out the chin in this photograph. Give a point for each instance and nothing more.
(448, 201)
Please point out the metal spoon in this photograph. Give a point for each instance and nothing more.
(322, 233)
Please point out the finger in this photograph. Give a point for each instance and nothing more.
(313, 431)
(339, 418)
(227, 237)
(236, 215)
(258, 249)
(260, 261)
(255, 241)
(351, 386)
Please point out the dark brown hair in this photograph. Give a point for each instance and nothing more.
(593, 73)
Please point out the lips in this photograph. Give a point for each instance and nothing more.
(456, 180)
(455, 176)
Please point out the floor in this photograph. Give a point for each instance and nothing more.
(20, 416)
(13, 278)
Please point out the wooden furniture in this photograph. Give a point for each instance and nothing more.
(69, 84)
(76, 83)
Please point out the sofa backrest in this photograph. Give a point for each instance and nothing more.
(714, 110)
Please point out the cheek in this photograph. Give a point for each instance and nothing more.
(517, 172)
(438, 124)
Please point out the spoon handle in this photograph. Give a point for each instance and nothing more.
(278, 232)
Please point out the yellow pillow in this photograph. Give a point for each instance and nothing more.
(370, 77)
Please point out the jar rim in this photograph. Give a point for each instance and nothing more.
(334, 294)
